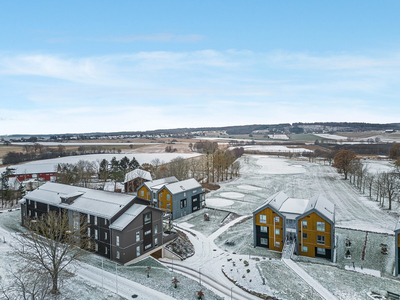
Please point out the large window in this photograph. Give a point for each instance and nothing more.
(321, 251)
(137, 251)
(147, 218)
(96, 234)
(263, 219)
(88, 219)
(147, 232)
(156, 228)
(305, 249)
(155, 242)
(263, 229)
(264, 241)
(277, 219)
(95, 220)
(105, 235)
(321, 239)
(304, 235)
(168, 197)
(88, 232)
(117, 255)
(277, 232)
(138, 236)
(147, 247)
(117, 240)
(321, 226)
(304, 223)
(168, 205)
(141, 193)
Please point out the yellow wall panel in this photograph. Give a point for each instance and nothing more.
(272, 226)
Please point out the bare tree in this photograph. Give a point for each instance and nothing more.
(51, 246)
(390, 184)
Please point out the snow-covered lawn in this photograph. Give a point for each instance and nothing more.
(347, 285)
(331, 136)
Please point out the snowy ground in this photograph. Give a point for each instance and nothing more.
(275, 148)
(140, 157)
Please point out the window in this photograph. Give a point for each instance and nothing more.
(29, 202)
(96, 247)
(48, 208)
(147, 247)
(147, 218)
(137, 251)
(141, 193)
(277, 244)
(117, 255)
(277, 232)
(95, 220)
(168, 197)
(35, 204)
(156, 228)
(105, 250)
(304, 235)
(105, 235)
(263, 229)
(161, 204)
(160, 196)
(183, 203)
(276, 219)
(155, 242)
(147, 232)
(320, 226)
(88, 232)
(321, 251)
(264, 241)
(105, 222)
(321, 239)
(184, 194)
(305, 249)
(194, 192)
(168, 205)
(304, 222)
(35, 214)
(88, 219)
(138, 236)
(117, 240)
(263, 219)
(95, 234)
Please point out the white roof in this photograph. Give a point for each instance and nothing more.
(95, 202)
(128, 216)
(157, 184)
(294, 206)
(138, 173)
(13, 183)
(182, 186)
(30, 168)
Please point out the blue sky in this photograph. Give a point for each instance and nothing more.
(85, 66)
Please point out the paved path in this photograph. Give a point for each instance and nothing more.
(311, 281)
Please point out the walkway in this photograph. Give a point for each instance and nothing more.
(323, 292)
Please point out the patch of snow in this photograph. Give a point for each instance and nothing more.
(249, 187)
(218, 202)
(375, 273)
(274, 148)
(272, 165)
(331, 136)
(234, 195)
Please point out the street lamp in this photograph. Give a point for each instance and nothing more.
(172, 264)
(200, 275)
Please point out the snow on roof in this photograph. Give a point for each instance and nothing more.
(13, 183)
(182, 186)
(34, 168)
(94, 202)
(138, 173)
(322, 205)
(397, 228)
(127, 217)
(294, 206)
(160, 182)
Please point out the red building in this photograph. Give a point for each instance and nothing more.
(40, 172)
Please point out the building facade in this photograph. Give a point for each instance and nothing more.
(309, 223)
(113, 220)
(397, 248)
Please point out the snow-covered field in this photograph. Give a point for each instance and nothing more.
(275, 148)
(140, 157)
(331, 136)
(375, 166)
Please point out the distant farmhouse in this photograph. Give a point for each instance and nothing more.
(179, 198)
(309, 223)
(40, 172)
(121, 228)
(134, 179)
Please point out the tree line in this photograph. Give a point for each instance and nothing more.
(37, 151)
(379, 186)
